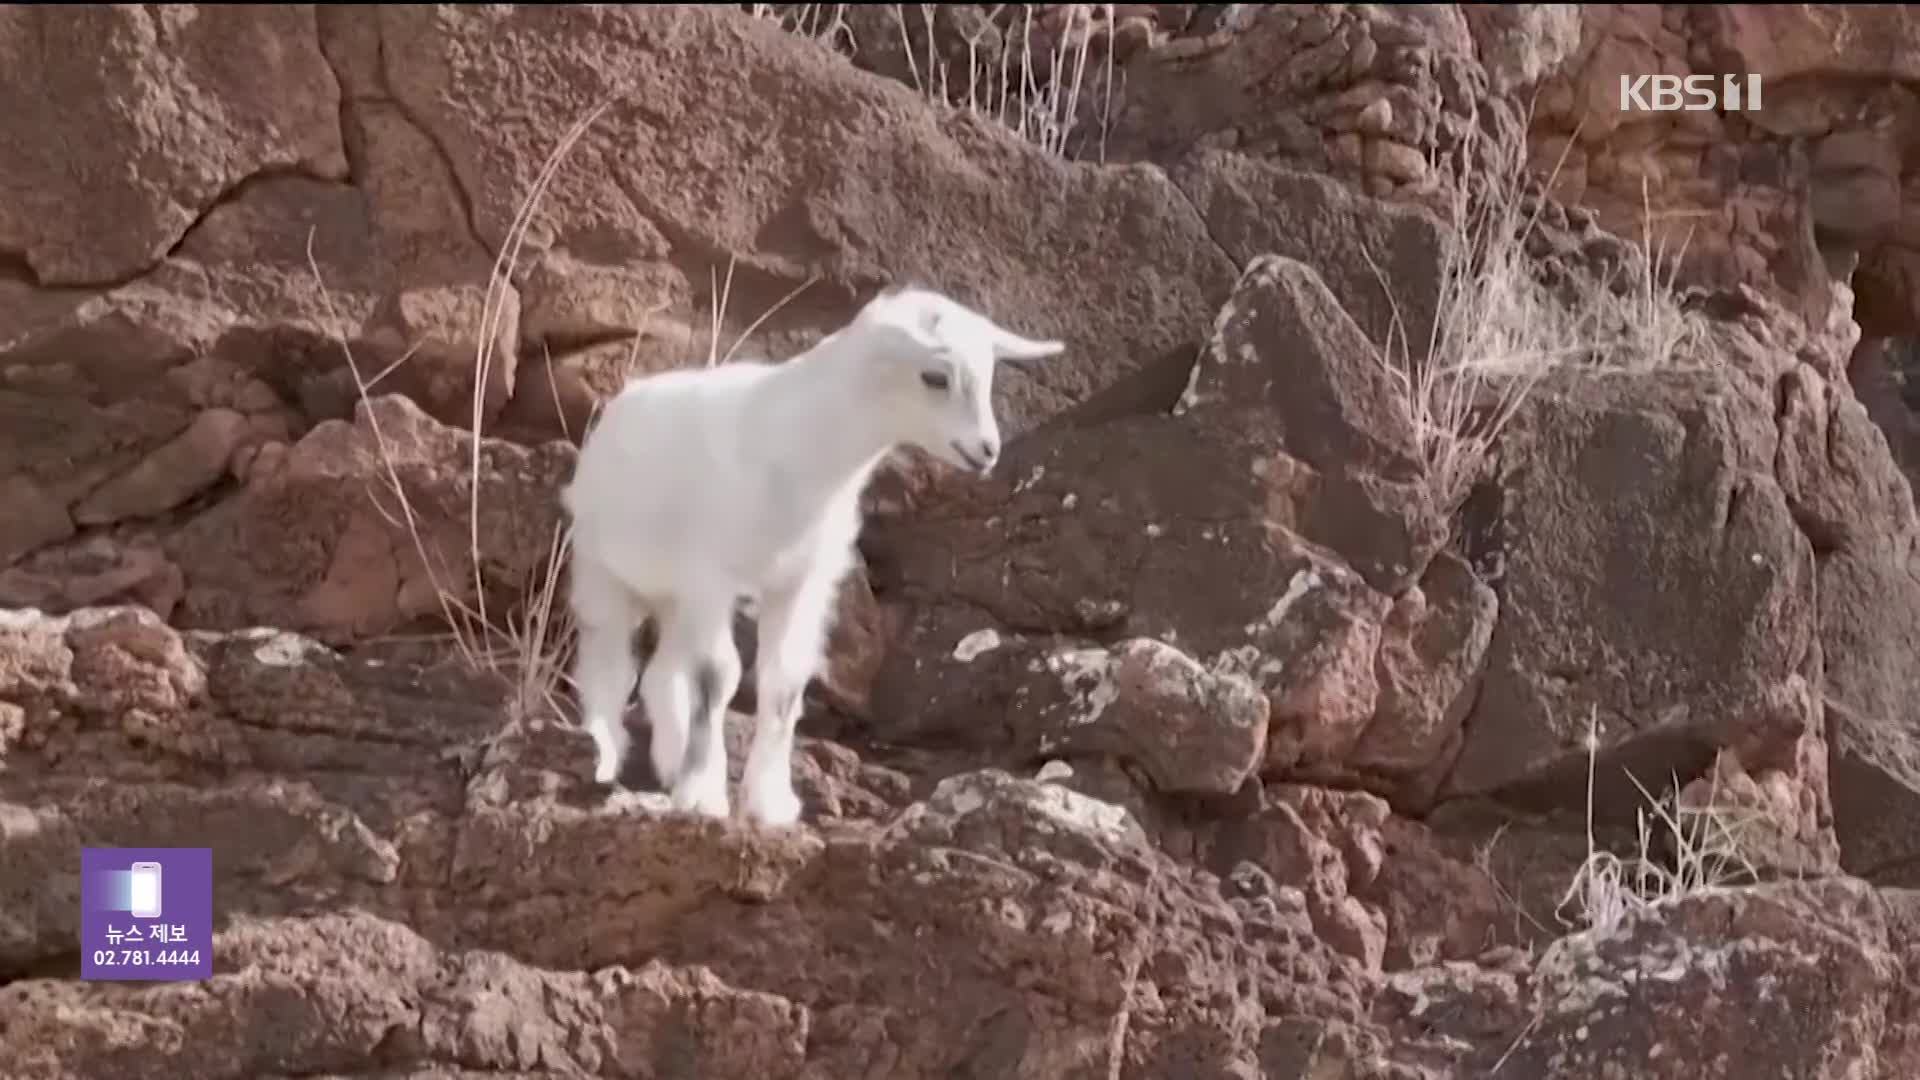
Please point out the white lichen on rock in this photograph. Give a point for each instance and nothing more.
(1086, 675)
(281, 648)
(1055, 806)
(976, 644)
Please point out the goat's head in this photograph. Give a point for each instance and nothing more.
(937, 359)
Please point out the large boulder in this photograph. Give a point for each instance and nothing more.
(203, 100)
(1657, 602)
(1803, 978)
(1279, 526)
(361, 526)
(658, 195)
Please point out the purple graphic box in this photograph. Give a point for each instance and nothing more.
(146, 913)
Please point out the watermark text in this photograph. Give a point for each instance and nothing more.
(1689, 93)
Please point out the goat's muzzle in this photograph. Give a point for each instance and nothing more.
(979, 459)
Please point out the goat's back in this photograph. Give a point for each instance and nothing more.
(670, 492)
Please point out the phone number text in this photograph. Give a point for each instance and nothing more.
(145, 957)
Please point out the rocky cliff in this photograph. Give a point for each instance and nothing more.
(1454, 609)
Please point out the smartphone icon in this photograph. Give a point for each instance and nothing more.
(144, 890)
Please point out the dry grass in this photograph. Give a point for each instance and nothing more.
(1497, 330)
(1703, 852)
(721, 292)
(1045, 111)
(1656, 331)
(1500, 328)
(825, 23)
(1039, 94)
(525, 646)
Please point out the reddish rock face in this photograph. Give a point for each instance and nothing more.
(1650, 572)
(1226, 732)
(171, 90)
(1264, 530)
(318, 539)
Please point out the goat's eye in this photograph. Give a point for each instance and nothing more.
(935, 380)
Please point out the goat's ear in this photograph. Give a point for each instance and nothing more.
(1019, 352)
(923, 326)
(908, 311)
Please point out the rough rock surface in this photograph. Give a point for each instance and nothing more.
(1219, 734)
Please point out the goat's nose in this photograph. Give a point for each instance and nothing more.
(989, 451)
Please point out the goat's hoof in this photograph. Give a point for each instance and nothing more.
(775, 808)
(704, 794)
(609, 754)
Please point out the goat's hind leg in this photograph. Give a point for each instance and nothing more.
(792, 634)
(692, 677)
(603, 662)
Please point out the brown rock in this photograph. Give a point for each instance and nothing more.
(1255, 209)
(1396, 161)
(1862, 40)
(93, 572)
(166, 88)
(1720, 985)
(320, 542)
(857, 642)
(1347, 149)
(86, 393)
(367, 989)
(117, 669)
(1325, 634)
(1283, 345)
(1272, 86)
(1191, 730)
(1856, 185)
(431, 343)
(1521, 44)
(1112, 531)
(1775, 818)
(417, 201)
(33, 519)
(398, 795)
(416, 878)
(691, 1019)
(1132, 35)
(1325, 847)
(257, 253)
(1161, 528)
(1433, 642)
(1888, 276)
(1900, 1046)
(184, 467)
(140, 399)
(566, 304)
(558, 397)
(1654, 584)
(1857, 510)
(1375, 118)
(812, 202)
(1437, 908)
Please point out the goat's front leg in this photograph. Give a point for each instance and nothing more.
(696, 653)
(791, 634)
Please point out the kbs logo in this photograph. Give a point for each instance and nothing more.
(1693, 93)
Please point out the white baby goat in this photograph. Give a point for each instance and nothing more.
(702, 487)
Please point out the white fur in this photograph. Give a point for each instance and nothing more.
(701, 488)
